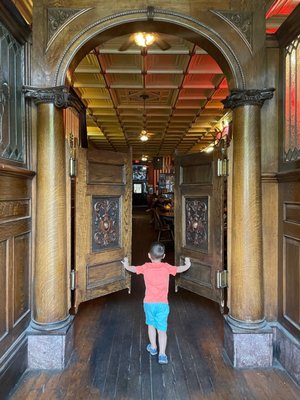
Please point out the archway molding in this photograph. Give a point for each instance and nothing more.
(202, 33)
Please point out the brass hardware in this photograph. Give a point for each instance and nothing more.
(73, 279)
(222, 279)
(222, 167)
(72, 158)
(72, 167)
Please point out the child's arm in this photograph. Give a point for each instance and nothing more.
(186, 266)
(130, 268)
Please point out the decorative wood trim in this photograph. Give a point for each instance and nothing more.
(6, 169)
(58, 18)
(13, 20)
(61, 96)
(269, 177)
(290, 29)
(242, 22)
(253, 97)
(289, 176)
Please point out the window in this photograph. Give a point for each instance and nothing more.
(12, 139)
(292, 101)
(137, 188)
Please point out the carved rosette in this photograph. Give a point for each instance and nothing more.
(196, 225)
(254, 97)
(59, 95)
(106, 223)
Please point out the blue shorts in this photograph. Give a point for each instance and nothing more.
(157, 315)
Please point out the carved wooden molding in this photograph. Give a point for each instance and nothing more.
(242, 22)
(59, 95)
(59, 17)
(6, 169)
(254, 97)
(269, 177)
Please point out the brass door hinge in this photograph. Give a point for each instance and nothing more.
(222, 167)
(73, 279)
(222, 279)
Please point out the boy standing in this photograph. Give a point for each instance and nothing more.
(156, 276)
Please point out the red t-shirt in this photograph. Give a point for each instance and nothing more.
(156, 277)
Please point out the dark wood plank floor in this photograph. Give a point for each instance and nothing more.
(109, 360)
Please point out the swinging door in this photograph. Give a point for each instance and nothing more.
(199, 214)
(103, 215)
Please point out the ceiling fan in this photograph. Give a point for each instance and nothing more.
(145, 39)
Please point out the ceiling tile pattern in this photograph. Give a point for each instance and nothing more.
(184, 88)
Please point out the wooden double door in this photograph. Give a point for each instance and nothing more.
(103, 217)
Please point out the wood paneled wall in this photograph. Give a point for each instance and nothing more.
(15, 262)
(15, 207)
(289, 245)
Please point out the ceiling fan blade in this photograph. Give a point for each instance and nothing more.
(125, 46)
(162, 44)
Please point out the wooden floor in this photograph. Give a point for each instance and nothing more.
(109, 360)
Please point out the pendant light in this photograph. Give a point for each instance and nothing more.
(144, 135)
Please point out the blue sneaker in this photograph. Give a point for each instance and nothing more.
(151, 350)
(162, 359)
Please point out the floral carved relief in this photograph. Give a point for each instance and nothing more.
(106, 223)
(241, 22)
(196, 223)
(59, 17)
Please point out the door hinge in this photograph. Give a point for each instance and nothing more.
(222, 279)
(73, 279)
(222, 167)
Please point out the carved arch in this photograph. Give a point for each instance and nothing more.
(166, 21)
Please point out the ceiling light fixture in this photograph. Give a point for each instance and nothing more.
(144, 135)
(144, 158)
(144, 39)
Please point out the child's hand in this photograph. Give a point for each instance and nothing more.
(125, 262)
(187, 262)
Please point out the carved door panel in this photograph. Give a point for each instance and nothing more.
(199, 213)
(103, 214)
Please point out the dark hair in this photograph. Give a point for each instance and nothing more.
(157, 251)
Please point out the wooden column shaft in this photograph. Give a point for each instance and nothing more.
(246, 267)
(50, 273)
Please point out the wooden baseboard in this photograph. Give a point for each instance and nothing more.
(16, 362)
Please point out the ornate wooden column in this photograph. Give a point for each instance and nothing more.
(50, 315)
(245, 325)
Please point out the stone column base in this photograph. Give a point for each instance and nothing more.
(248, 348)
(50, 349)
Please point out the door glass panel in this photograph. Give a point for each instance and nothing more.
(12, 139)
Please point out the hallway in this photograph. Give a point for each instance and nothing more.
(109, 360)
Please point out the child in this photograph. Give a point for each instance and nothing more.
(156, 276)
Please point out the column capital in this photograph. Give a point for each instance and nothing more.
(244, 97)
(60, 96)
